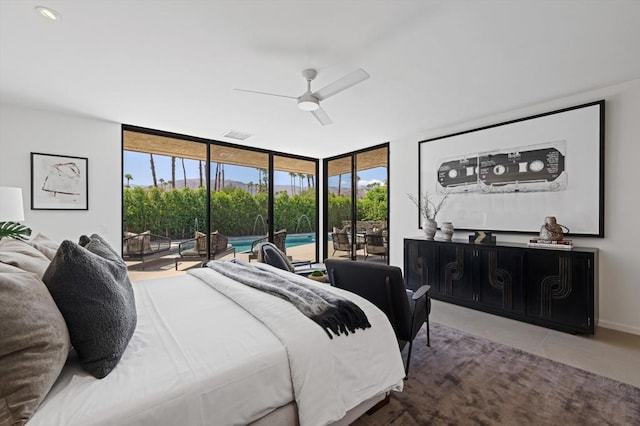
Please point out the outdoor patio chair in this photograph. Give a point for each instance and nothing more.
(144, 246)
(374, 244)
(341, 243)
(196, 248)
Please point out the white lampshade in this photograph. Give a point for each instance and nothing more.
(11, 209)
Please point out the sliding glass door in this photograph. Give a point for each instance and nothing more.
(295, 205)
(356, 205)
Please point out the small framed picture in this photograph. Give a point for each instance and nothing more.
(59, 182)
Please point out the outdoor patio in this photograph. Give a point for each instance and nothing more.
(165, 266)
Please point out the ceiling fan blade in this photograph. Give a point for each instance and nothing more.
(265, 93)
(341, 84)
(322, 117)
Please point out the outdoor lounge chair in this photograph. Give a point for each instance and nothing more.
(196, 248)
(341, 243)
(374, 245)
(144, 246)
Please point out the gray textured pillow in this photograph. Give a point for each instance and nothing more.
(34, 344)
(90, 285)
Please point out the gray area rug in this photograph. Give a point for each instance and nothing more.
(467, 380)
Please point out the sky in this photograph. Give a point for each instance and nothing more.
(139, 167)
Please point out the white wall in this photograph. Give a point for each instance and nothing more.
(23, 131)
(619, 275)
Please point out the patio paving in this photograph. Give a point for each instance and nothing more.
(165, 266)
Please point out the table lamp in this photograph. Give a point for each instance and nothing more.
(11, 211)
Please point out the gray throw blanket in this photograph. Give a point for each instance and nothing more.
(328, 310)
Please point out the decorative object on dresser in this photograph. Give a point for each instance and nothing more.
(552, 230)
(59, 182)
(11, 212)
(447, 230)
(550, 288)
(552, 244)
(482, 237)
(506, 176)
(428, 212)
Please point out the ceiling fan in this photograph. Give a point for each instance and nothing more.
(310, 101)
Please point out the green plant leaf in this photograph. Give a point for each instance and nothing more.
(14, 230)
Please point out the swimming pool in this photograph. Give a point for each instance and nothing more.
(243, 244)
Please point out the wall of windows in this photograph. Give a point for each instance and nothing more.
(177, 186)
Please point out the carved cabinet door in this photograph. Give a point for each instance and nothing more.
(455, 272)
(420, 265)
(558, 287)
(499, 279)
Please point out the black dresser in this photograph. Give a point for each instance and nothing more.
(549, 287)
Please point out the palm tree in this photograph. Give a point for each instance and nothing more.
(173, 173)
(153, 170)
(292, 176)
(250, 186)
(200, 168)
(216, 182)
(128, 177)
(162, 182)
(184, 172)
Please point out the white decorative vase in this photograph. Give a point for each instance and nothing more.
(447, 230)
(429, 226)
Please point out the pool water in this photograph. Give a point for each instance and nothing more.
(243, 244)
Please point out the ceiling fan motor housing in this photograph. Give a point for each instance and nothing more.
(308, 102)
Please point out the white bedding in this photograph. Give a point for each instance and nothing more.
(330, 376)
(194, 358)
(198, 359)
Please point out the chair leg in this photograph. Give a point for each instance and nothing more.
(406, 370)
(428, 336)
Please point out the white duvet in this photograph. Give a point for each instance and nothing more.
(329, 376)
(198, 359)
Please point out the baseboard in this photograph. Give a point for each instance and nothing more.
(619, 327)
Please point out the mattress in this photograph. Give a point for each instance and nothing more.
(194, 357)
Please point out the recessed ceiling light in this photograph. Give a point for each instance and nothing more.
(48, 13)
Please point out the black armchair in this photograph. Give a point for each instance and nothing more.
(271, 254)
(384, 286)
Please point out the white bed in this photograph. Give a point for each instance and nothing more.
(199, 358)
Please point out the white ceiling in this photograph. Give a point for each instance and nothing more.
(173, 65)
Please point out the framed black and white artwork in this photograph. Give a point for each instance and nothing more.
(59, 182)
(509, 176)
